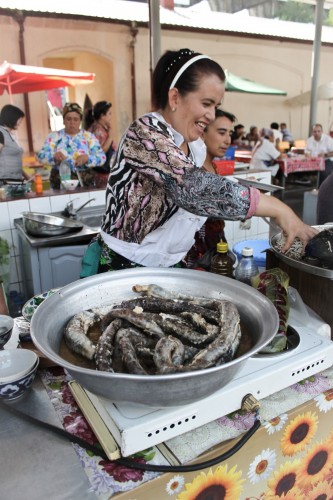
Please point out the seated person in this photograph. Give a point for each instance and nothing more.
(286, 134)
(320, 144)
(265, 154)
(325, 201)
(217, 137)
(80, 149)
(237, 136)
(278, 136)
(253, 136)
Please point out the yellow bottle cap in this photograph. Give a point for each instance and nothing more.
(222, 247)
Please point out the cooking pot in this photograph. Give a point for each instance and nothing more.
(38, 224)
(47, 326)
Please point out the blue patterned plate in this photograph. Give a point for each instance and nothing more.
(29, 308)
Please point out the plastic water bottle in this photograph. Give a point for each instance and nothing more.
(247, 267)
(64, 171)
(222, 263)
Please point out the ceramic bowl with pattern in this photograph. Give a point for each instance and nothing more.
(29, 308)
(17, 188)
(13, 386)
(15, 363)
(6, 328)
(70, 184)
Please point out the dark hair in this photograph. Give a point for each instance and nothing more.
(93, 114)
(219, 113)
(10, 115)
(238, 127)
(168, 66)
(275, 126)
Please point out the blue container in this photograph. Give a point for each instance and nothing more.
(258, 246)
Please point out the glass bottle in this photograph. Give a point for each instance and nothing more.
(246, 267)
(222, 263)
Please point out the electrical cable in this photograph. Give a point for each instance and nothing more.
(127, 462)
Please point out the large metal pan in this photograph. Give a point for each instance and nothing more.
(300, 264)
(38, 224)
(256, 311)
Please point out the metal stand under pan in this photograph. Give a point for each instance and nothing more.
(136, 428)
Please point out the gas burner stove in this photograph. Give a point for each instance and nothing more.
(132, 428)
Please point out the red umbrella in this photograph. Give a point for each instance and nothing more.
(19, 78)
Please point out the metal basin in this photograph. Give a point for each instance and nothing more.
(256, 311)
(38, 224)
(300, 264)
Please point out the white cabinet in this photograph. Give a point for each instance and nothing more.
(49, 267)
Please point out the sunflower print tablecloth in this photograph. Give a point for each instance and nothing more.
(290, 457)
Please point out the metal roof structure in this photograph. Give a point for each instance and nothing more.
(199, 17)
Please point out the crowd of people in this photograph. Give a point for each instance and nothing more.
(242, 138)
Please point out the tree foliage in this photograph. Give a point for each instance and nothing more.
(296, 11)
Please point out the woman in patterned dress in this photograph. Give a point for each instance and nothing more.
(157, 195)
(77, 147)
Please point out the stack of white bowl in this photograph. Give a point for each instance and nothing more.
(18, 369)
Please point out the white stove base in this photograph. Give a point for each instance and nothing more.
(136, 428)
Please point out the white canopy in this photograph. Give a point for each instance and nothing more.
(324, 93)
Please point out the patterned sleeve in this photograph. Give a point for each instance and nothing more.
(211, 195)
(46, 154)
(149, 148)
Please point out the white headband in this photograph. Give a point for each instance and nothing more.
(184, 67)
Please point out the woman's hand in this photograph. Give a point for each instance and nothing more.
(59, 156)
(81, 160)
(291, 225)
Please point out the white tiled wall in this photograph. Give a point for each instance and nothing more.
(13, 209)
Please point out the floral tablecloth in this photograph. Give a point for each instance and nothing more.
(108, 478)
(292, 165)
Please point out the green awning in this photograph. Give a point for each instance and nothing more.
(236, 83)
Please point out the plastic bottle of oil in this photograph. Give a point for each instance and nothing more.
(222, 263)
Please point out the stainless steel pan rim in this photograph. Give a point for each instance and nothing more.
(38, 224)
(161, 390)
(298, 264)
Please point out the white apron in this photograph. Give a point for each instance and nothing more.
(163, 247)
